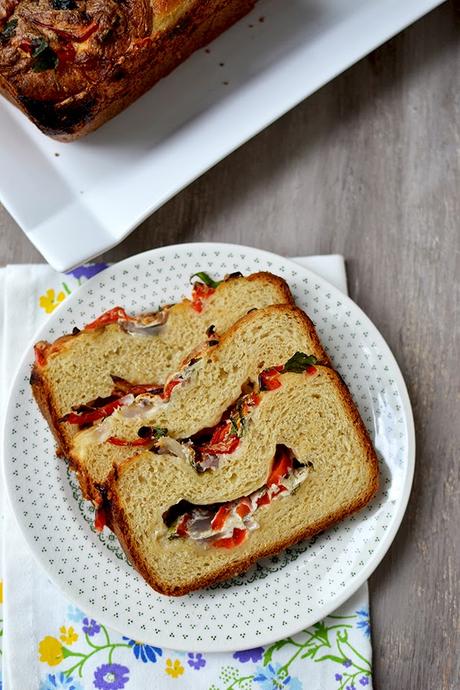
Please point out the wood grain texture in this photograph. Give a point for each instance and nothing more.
(368, 167)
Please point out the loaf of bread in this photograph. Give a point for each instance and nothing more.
(79, 368)
(303, 463)
(71, 65)
(198, 395)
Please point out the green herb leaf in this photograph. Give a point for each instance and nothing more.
(64, 4)
(44, 57)
(207, 280)
(8, 31)
(234, 431)
(159, 431)
(299, 362)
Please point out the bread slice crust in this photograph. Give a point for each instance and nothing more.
(121, 527)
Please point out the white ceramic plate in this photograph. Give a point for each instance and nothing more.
(280, 595)
(79, 204)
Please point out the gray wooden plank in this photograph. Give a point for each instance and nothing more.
(368, 167)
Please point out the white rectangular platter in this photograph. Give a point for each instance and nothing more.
(76, 200)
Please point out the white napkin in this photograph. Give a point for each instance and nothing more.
(39, 623)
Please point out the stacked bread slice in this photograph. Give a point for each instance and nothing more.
(204, 462)
(78, 368)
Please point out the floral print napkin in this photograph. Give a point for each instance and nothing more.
(52, 645)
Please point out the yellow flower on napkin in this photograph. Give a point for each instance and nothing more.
(49, 301)
(68, 635)
(174, 669)
(50, 651)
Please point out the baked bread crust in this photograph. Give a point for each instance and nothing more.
(72, 69)
(119, 523)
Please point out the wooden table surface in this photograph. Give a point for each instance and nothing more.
(368, 167)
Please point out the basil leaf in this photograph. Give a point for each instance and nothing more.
(207, 280)
(8, 31)
(299, 362)
(159, 431)
(64, 4)
(44, 57)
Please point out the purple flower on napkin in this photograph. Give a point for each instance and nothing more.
(338, 676)
(111, 677)
(196, 661)
(87, 270)
(249, 655)
(59, 681)
(273, 676)
(364, 622)
(144, 652)
(346, 663)
(90, 626)
(364, 680)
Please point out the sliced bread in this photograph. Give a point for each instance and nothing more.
(78, 368)
(206, 387)
(161, 506)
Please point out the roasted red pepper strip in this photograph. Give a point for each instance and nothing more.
(169, 388)
(237, 538)
(281, 466)
(136, 442)
(264, 500)
(26, 45)
(40, 354)
(93, 415)
(200, 292)
(220, 518)
(244, 507)
(222, 441)
(111, 316)
(100, 519)
(269, 378)
(181, 529)
(66, 53)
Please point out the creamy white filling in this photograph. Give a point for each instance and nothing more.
(199, 526)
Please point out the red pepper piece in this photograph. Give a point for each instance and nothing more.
(243, 508)
(40, 353)
(139, 388)
(26, 45)
(181, 529)
(310, 370)
(281, 465)
(115, 441)
(220, 518)
(92, 416)
(169, 388)
(269, 378)
(100, 519)
(66, 53)
(222, 441)
(110, 316)
(264, 500)
(237, 538)
(200, 292)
